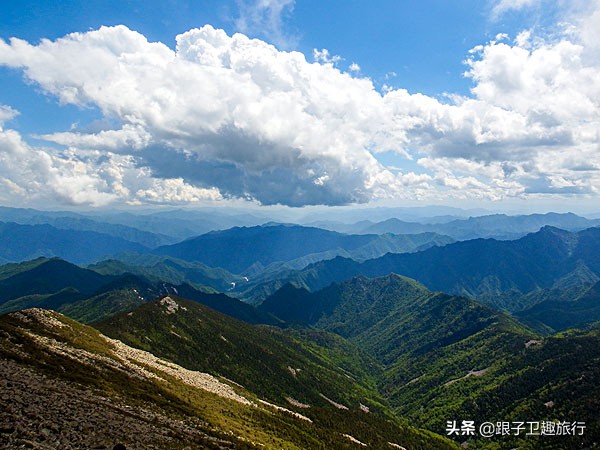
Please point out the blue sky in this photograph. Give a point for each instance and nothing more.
(395, 118)
(423, 42)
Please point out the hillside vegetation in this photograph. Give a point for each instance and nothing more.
(446, 357)
(498, 273)
(163, 403)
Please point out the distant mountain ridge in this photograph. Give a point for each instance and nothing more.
(47, 276)
(73, 221)
(143, 226)
(481, 268)
(167, 269)
(498, 226)
(22, 242)
(563, 310)
(238, 248)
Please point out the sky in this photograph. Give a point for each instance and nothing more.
(470, 103)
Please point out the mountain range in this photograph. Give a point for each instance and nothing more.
(561, 309)
(150, 227)
(342, 341)
(498, 226)
(409, 352)
(23, 242)
(452, 357)
(496, 272)
(89, 296)
(167, 269)
(350, 360)
(238, 249)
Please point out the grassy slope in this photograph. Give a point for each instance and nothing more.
(220, 417)
(261, 358)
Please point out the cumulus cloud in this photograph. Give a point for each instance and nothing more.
(275, 127)
(552, 91)
(584, 28)
(128, 137)
(354, 67)
(76, 176)
(323, 56)
(33, 174)
(174, 190)
(231, 117)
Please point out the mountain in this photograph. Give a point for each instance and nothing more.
(185, 223)
(47, 276)
(389, 316)
(265, 360)
(23, 242)
(378, 246)
(452, 357)
(418, 223)
(562, 310)
(170, 270)
(347, 308)
(149, 227)
(70, 368)
(388, 345)
(544, 380)
(499, 226)
(226, 305)
(61, 286)
(71, 386)
(89, 296)
(65, 385)
(72, 221)
(480, 268)
(377, 214)
(237, 249)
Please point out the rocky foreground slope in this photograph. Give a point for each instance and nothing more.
(65, 385)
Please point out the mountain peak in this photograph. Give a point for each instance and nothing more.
(552, 229)
(170, 305)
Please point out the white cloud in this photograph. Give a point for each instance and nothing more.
(503, 6)
(226, 112)
(129, 137)
(553, 88)
(470, 179)
(323, 56)
(175, 190)
(354, 67)
(39, 175)
(232, 117)
(42, 176)
(264, 18)
(585, 28)
(6, 114)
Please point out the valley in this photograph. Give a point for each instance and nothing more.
(307, 338)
